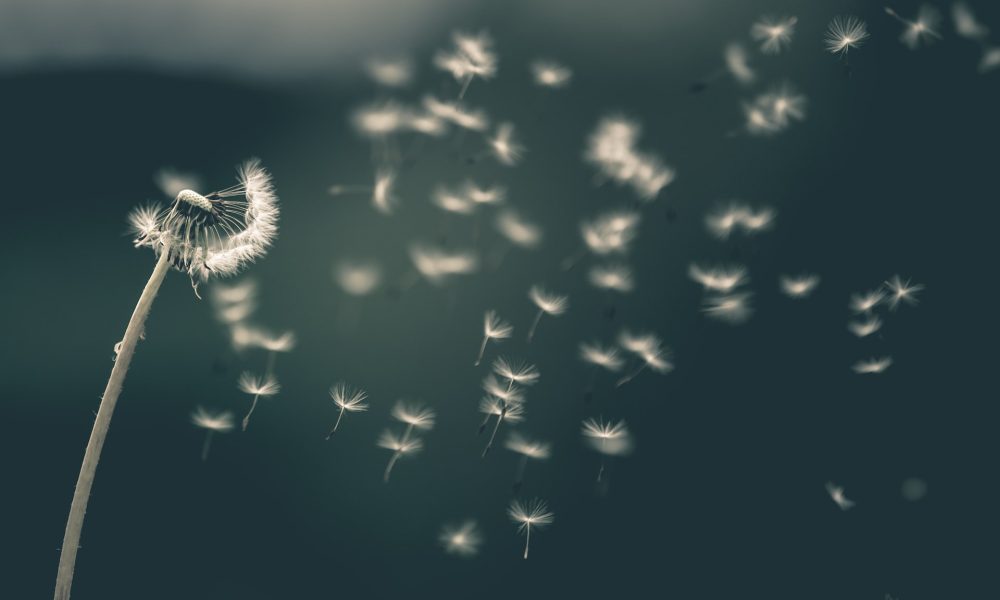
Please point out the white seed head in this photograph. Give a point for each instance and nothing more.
(595, 354)
(548, 302)
(615, 277)
(256, 385)
(414, 414)
(844, 33)
(496, 328)
(798, 286)
(531, 448)
(872, 366)
(774, 34)
(358, 278)
(462, 540)
(517, 230)
(550, 74)
(221, 421)
(392, 72)
(607, 437)
(533, 513)
(348, 398)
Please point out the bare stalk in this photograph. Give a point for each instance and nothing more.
(208, 444)
(337, 424)
(78, 509)
(482, 349)
(534, 325)
(253, 405)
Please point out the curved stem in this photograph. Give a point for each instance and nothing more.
(534, 325)
(482, 349)
(337, 424)
(388, 467)
(489, 445)
(527, 542)
(253, 405)
(207, 445)
(78, 509)
(631, 375)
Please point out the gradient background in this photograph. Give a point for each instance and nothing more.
(894, 170)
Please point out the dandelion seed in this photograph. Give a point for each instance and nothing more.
(378, 120)
(348, 400)
(774, 34)
(610, 233)
(520, 373)
(844, 33)
(450, 201)
(203, 236)
(393, 72)
(509, 393)
(866, 327)
(383, 198)
(798, 286)
(256, 386)
(518, 231)
(966, 24)
(838, 497)
(234, 303)
(612, 149)
(607, 438)
(784, 105)
(738, 64)
(548, 304)
(400, 446)
(718, 279)
(731, 308)
(758, 120)
(550, 74)
(437, 265)
(615, 277)
(494, 328)
(923, 29)
(872, 366)
(527, 515)
(528, 449)
(484, 195)
(865, 302)
(510, 399)
(902, 291)
(358, 278)
(221, 422)
(413, 415)
(453, 112)
(990, 60)
(506, 149)
(507, 408)
(426, 123)
(172, 182)
(597, 355)
(650, 350)
(725, 220)
(462, 540)
(473, 57)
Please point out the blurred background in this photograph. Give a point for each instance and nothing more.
(892, 171)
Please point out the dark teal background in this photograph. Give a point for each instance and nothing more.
(894, 170)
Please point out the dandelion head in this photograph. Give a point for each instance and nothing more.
(413, 414)
(257, 385)
(357, 278)
(512, 411)
(392, 72)
(348, 398)
(738, 64)
(731, 308)
(596, 354)
(548, 302)
(774, 34)
(517, 230)
(391, 441)
(378, 120)
(902, 291)
(798, 286)
(844, 33)
(550, 74)
(516, 372)
(718, 279)
(866, 301)
(221, 421)
(533, 513)
(607, 437)
(510, 394)
(215, 234)
(484, 195)
(532, 449)
(506, 149)
(462, 540)
(872, 366)
(496, 328)
(865, 327)
(615, 277)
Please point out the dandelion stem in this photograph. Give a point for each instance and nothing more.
(78, 509)
(253, 405)
(534, 325)
(496, 427)
(600, 471)
(482, 349)
(388, 467)
(486, 421)
(337, 424)
(527, 542)
(207, 445)
(631, 375)
(465, 86)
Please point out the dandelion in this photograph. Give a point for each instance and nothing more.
(650, 350)
(400, 446)
(510, 408)
(509, 398)
(737, 64)
(357, 278)
(798, 286)
(414, 415)
(607, 438)
(990, 60)
(902, 291)
(966, 24)
(454, 112)
(378, 120)
(506, 149)
(758, 120)
(392, 72)
(518, 231)
(256, 386)
(732, 308)
(547, 303)
(494, 328)
(872, 366)
(599, 356)
(773, 34)
(612, 149)
(274, 343)
(520, 373)
(472, 57)
(550, 74)
(844, 33)
(609, 233)
(838, 497)
(462, 540)
(534, 513)
(736, 216)
(865, 302)
(784, 105)
(923, 29)
(615, 277)
(382, 190)
(866, 327)
(234, 303)
(449, 201)
(484, 195)
(528, 449)
(437, 265)
(215, 235)
(348, 400)
(718, 279)
(221, 422)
